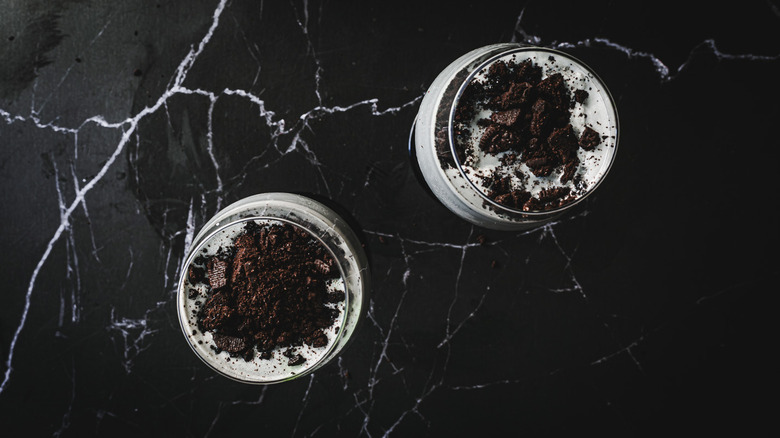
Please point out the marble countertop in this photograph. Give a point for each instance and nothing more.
(125, 127)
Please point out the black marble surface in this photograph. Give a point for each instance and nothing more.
(125, 125)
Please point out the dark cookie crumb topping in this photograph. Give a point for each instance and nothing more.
(530, 123)
(269, 290)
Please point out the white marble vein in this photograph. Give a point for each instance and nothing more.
(304, 402)
(576, 286)
(304, 25)
(662, 70)
(132, 123)
(214, 420)
(135, 335)
(623, 350)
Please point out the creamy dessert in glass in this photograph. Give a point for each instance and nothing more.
(510, 137)
(273, 288)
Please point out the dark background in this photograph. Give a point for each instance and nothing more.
(125, 125)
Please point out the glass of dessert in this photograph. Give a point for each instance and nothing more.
(510, 137)
(273, 288)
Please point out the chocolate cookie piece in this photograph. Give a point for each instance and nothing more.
(514, 199)
(196, 274)
(231, 344)
(336, 297)
(547, 199)
(553, 194)
(506, 118)
(502, 192)
(563, 142)
(499, 70)
(318, 340)
(322, 267)
(296, 360)
(553, 89)
(498, 185)
(527, 71)
(517, 95)
(217, 271)
(569, 170)
(542, 118)
(498, 139)
(580, 96)
(540, 158)
(589, 139)
(541, 166)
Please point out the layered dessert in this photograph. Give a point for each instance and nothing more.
(265, 300)
(532, 131)
(510, 137)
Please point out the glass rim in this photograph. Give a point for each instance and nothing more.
(181, 304)
(451, 136)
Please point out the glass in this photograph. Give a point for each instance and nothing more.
(456, 184)
(326, 227)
